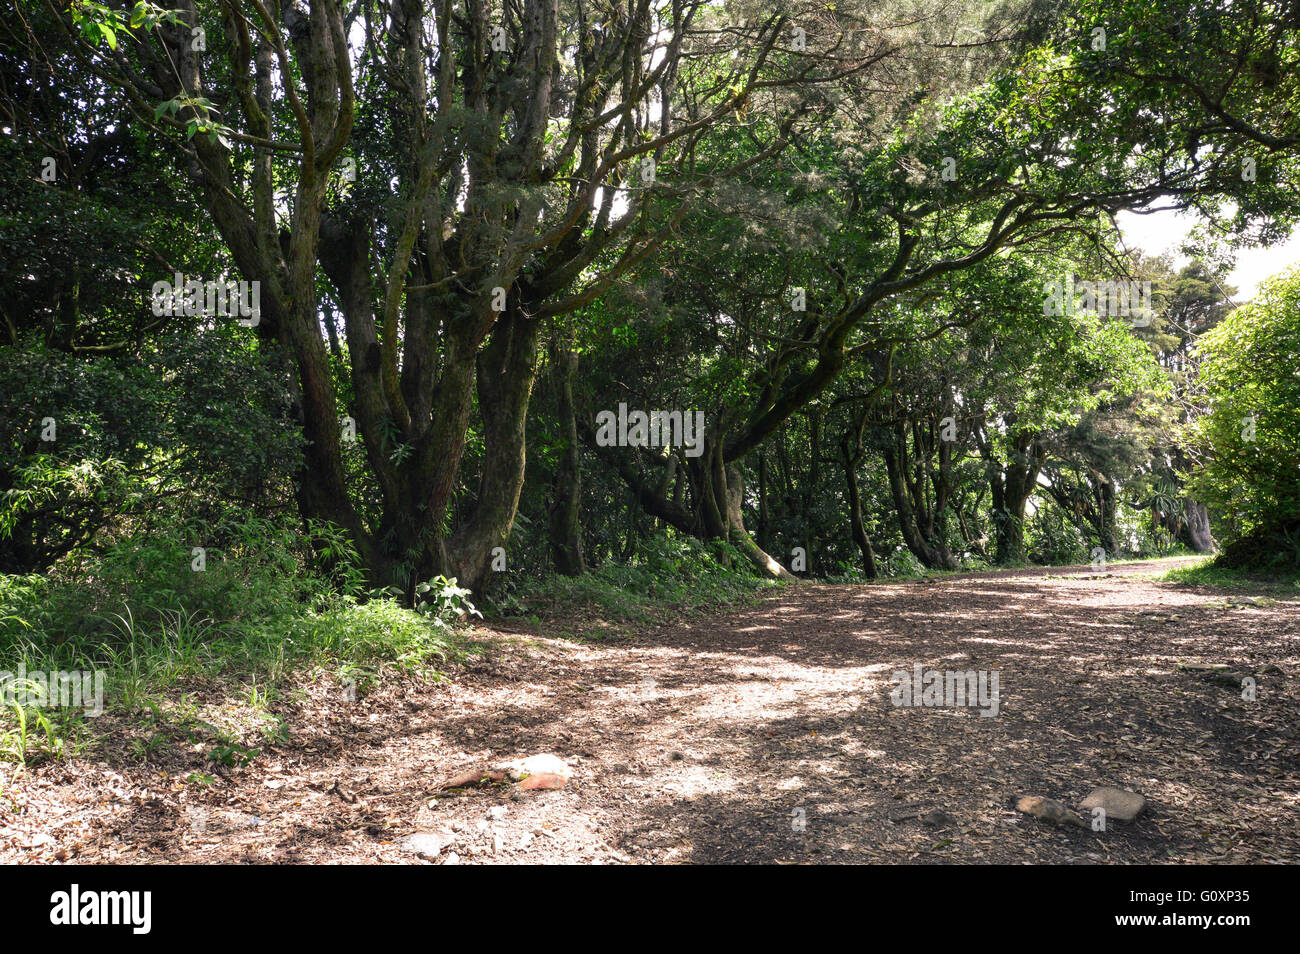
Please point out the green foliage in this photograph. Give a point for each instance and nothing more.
(253, 568)
(670, 575)
(269, 604)
(1251, 436)
(902, 562)
(29, 735)
(440, 599)
(1277, 582)
(1053, 539)
(172, 432)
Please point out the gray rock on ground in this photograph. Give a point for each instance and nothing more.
(1119, 805)
(426, 844)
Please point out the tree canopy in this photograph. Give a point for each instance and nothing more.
(874, 244)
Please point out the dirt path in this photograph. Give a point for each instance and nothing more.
(700, 742)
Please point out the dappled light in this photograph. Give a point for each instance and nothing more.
(441, 432)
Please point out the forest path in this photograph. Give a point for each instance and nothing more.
(701, 741)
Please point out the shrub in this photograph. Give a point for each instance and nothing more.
(1251, 436)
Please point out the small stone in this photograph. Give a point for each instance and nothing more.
(937, 819)
(452, 858)
(1047, 809)
(425, 844)
(1119, 805)
(677, 755)
(497, 811)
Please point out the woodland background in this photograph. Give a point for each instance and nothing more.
(475, 225)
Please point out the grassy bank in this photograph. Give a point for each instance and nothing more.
(1281, 584)
(669, 580)
(157, 625)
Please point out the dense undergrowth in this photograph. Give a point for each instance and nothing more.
(671, 577)
(155, 617)
(1280, 581)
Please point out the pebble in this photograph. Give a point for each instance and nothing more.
(425, 844)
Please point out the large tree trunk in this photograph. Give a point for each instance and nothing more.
(922, 532)
(566, 492)
(412, 534)
(1010, 501)
(717, 497)
(1011, 484)
(1195, 529)
(506, 370)
(859, 530)
(734, 493)
(932, 553)
(1107, 507)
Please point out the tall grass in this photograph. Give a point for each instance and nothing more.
(669, 578)
(1211, 572)
(259, 611)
